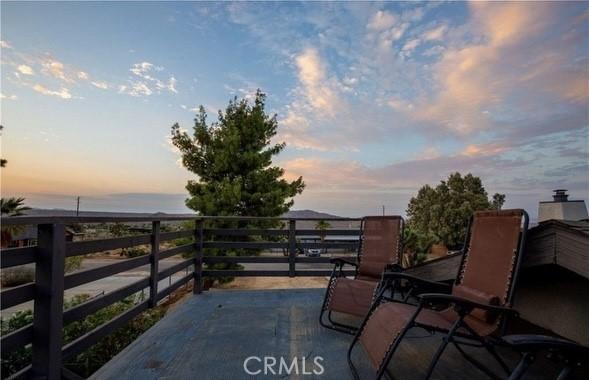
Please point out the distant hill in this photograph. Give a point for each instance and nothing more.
(62, 212)
(308, 214)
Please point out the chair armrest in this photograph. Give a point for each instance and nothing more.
(464, 305)
(533, 343)
(416, 282)
(393, 268)
(343, 261)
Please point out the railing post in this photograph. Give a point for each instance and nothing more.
(292, 247)
(154, 261)
(199, 240)
(48, 313)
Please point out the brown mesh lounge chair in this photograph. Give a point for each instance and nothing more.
(380, 249)
(570, 356)
(477, 307)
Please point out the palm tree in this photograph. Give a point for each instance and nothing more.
(11, 207)
(322, 226)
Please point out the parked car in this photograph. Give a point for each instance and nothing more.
(314, 252)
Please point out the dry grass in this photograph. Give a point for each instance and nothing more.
(275, 283)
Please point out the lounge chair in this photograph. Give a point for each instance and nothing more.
(380, 249)
(569, 355)
(478, 306)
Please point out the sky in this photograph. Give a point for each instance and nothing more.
(373, 100)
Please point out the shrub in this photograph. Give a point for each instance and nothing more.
(26, 273)
(133, 252)
(73, 263)
(416, 245)
(18, 275)
(93, 358)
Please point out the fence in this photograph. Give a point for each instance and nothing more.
(47, 291)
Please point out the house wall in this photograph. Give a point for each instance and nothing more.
(556, 299)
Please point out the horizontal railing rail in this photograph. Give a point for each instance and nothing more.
(202, 244)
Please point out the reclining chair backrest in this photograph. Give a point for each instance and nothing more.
(380, 245)
(490, 263)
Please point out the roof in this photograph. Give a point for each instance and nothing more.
(571, 225)
(553, 242)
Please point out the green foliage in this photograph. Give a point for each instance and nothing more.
(13, 206)
(416, 245)
(133, 252)
(73, 263)
(17, 359)
(443, 212)
(322, 226)
(118, 229)
(232, 159)
(90, 360)
(498, 201)
(18, 275)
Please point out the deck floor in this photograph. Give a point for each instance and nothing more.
(210, 335)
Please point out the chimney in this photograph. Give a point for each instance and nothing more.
(560, 195)
(560, 208)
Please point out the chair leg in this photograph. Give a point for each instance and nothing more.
(475, 362)
(447, 339)
(521, 368)
(565, 373)
(500, 360)
(490, 348)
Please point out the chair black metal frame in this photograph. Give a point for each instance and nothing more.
(463, 307)
(567, 353)
(338, 271)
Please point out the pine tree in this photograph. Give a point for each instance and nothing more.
(232, 159)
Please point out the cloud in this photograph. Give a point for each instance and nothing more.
(435, 34)
(382, 20)
(315, 85)
(57, 70)
(100, 84)
(294, 130)
(411, 44)
(507, 67)
(172, 85)
(83, 75)
(145, 81)
(62, 93)
(136, 89)
(8, 97)
(26, 70)
(5, 45)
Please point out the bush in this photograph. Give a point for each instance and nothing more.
(416, 245)
(73, 263)
(18, 275)
(93, 358)
(20, 358)
(133, 252)
(26, 273)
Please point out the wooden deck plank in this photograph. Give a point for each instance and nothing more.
(210, 336)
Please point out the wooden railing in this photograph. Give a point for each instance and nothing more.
(47, 291)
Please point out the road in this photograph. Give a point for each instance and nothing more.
(119, 280)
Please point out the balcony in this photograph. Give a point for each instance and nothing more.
(212, 332)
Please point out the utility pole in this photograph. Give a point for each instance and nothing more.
(382, 210)
(78, 207)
